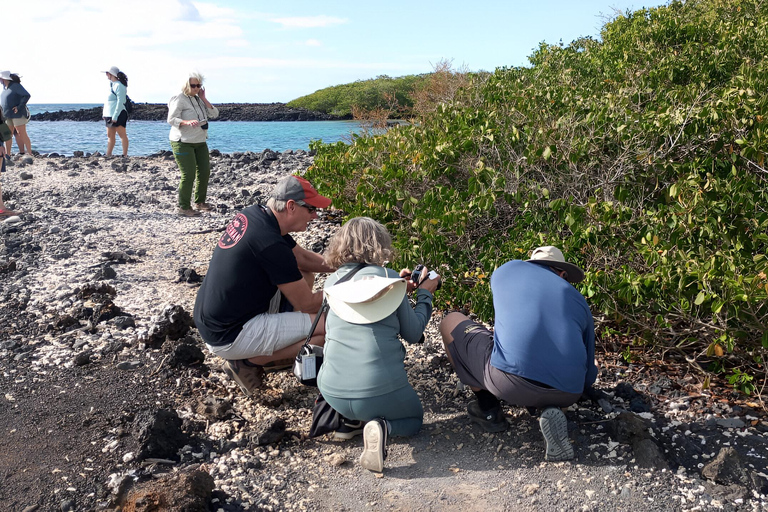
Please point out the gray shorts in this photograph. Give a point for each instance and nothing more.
(471, 352)
(266, 333)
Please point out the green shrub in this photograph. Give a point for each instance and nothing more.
(641, 155)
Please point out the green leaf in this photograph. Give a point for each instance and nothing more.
(547, 153)
(701, 297)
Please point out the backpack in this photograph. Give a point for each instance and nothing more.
(128, 103)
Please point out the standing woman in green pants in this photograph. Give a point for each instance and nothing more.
(188, 115)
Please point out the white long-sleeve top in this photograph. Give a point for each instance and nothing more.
(185, 108)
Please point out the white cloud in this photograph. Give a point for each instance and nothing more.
(313, 42)
(309, 21)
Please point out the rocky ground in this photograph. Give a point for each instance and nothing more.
(109, 400)
(227, 112)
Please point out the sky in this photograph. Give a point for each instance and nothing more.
(261, 52)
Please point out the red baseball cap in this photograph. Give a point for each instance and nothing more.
(297, 188)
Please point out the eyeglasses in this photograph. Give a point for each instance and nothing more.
(195, 86)
(312, 209)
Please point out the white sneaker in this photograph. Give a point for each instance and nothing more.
(375, 451)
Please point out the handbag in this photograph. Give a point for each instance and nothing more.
(325, 418)
(310, 357)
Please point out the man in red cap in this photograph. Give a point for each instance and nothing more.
(256, 304)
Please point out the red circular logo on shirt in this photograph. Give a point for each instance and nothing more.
(234, 232)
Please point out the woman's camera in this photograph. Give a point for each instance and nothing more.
(204, 126)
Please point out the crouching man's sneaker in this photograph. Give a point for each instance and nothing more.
(349, 429)
(491, 421)
(249, 378)
(554, 428)
(375, 440)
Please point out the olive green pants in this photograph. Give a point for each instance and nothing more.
(194, 162)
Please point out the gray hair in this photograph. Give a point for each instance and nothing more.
(276, 204)
(186, 89)
(360, 240)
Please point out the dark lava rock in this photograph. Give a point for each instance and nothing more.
(160, 434)
(172, 323)
(124, 322)
(184, 353)
(7, 266)
(637, 403)
(179, 492)
(83, 358)
(727, 468)
(105, 272)
(188, 275)
(268, 432)
(227, 112)
(631, 429)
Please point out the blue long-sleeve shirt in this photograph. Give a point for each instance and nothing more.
(544, 329)
(14, 96)
(116, 101)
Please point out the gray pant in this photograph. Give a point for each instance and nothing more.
(471, 352)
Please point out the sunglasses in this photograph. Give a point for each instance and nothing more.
(312, 209)
(195, 86)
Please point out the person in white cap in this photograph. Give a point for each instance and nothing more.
(541, 353)
(363, 374)
(13, 102)
(256, 304)
(114, 112)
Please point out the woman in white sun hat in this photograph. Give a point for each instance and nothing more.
(115, 113)
(14, 100)
(363, 373)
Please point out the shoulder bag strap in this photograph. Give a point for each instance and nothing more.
(324, 306)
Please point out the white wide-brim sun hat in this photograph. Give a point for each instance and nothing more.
(366, 300)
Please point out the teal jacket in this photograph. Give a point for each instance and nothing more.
(363, 361)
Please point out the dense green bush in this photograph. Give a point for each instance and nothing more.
(641, 155)
(366, 94)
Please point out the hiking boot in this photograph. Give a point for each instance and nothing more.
(375, 440)
(348, 429)
(491, 420)
(554, 427)
(204, 207)
(249, 378)
(187, 212)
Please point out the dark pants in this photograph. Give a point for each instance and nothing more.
(194, 161)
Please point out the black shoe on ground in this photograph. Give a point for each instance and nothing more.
(491, 420)
(554, 428)
(375, 440)
(349, 429)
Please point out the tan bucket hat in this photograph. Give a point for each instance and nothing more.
(553, 257)
(366, 300)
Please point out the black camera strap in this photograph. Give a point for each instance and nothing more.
(324, 306)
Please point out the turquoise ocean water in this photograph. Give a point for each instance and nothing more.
(147, 137)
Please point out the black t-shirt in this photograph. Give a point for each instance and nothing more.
(248, 263)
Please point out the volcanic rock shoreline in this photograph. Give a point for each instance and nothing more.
(109, 400)
(227, 112)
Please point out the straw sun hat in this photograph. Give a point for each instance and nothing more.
(366, 300)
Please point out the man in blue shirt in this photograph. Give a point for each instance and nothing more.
(541, 353)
